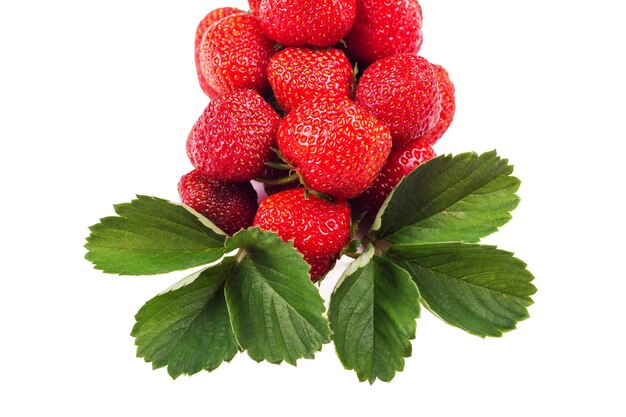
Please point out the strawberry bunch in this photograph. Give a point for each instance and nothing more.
(325, 102)
(317, 142)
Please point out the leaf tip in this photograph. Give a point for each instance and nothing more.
(173, 373)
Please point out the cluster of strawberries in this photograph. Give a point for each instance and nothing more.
(326, 102)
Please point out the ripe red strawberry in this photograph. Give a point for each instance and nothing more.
(448, 106)
(234, 53)
(255, 6)
(231, 140)
(401, 162)
(230, 206)
(337, 147)
(419, 9)
(204, 24)
(307, 22)
(319, 229)
(402, 92)
(385, 28)
(299, 74)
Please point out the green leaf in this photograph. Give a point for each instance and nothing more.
(352, 247)
(461, 198)
(275, 309)
(480, 289)
(187, 328)
(372, 314)
(153, 236)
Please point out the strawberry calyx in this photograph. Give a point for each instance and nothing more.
(353, 249)
(280, 164)
(308, 191)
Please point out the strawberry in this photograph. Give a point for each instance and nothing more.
(400, 163)
(230, 206)
(299, 74)
(204, 24)
(319, 228)
(385, 28)
(337, 148)
(403, 93)
(234, 53)
(448, 106)
(307, 22)
(255, 6)
(419, 9)
(231, 140)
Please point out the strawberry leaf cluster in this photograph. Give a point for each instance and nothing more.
(253, 292)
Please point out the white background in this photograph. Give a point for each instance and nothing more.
(96, 100)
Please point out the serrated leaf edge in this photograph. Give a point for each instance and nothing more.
(230, 245)
(376, 225)
(500, 331)
(178, 285)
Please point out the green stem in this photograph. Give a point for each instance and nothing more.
(278, 181)
(279, 165)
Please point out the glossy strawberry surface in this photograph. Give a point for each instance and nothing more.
(231, 206)
(307, 22)
(234, 53)
(232, 138)
(299, 74)
(448, 106)
(402, 92)
(385, 28)
(208, 20)
(319, 228)
(400, 163)
(255, 6)
(337, 147)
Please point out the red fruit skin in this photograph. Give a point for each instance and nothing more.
(419, 9)
(319, 228)
(189, 145)
(337, 148)
(230, 206)
(400, 163)
(300, 74)
(448, 106)
(204, 24)
(402, 92)
(385, 28)
(231, 140)
(234, 53)
(255, 6)
(307, 22)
